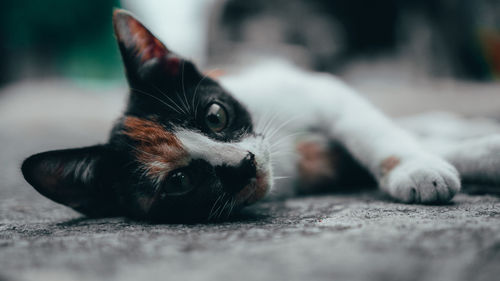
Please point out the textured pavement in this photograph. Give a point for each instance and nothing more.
(355, 236)
(333, 237)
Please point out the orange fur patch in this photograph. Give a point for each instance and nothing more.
(389, 164)
(147, 45)
(315, 161)
(159, 150)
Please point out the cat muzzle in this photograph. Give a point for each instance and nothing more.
(235, 178)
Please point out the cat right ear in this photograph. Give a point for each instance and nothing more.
(141, 50)
(78, 178)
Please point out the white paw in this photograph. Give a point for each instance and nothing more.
(422, 180)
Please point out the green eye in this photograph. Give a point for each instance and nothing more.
(178, 183)
(216, 117)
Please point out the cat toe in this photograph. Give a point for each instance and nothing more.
(423, 182)
(435, 186)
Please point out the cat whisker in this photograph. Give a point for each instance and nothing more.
(211, 213)
(284, 139)
(156, 98)
(218, 210)
(280, 149)
(228, 207)
(268, 126)
(231, 206)
(263, 120)
(259, 121)
(183, 86)
(182, 102)
(276, 130)
(172, 101)
(225, 213)
(221, 212)
(196, 90)
(281, 178)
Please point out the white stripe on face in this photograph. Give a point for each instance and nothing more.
(199, 146)
(216, 153)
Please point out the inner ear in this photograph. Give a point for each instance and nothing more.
(79, 178)
(140, 48)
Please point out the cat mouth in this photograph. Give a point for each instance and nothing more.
(255, 190)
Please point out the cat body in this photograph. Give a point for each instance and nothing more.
(323, 104)
(319, 109)
(192, 147)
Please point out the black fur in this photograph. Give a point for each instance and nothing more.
(106, 180)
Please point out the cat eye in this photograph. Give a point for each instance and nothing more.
(178, 183)
(216, 117)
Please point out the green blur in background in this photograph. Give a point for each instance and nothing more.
(74, 39)
(58, 38)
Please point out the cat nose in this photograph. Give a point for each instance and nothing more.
(235, 178)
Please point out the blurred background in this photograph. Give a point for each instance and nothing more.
(456, 39)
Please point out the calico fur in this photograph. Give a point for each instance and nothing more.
(190, 147)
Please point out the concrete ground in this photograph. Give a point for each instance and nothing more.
(356, 236)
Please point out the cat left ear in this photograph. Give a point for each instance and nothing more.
(75, 178)
(140, 48)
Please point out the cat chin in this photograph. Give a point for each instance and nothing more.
(256, 190)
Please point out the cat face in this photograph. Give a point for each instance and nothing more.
(185, 148)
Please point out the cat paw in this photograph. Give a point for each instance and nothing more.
(421, 180)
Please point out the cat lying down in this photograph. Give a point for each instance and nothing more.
(189, 147)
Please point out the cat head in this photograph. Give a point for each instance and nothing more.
(184, 149)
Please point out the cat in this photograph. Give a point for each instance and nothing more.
(188, 146)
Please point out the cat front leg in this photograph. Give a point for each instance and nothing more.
(399, 163)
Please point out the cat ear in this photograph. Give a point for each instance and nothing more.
(141, 50)
(75, 178)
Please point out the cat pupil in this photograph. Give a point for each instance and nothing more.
(216, 117)
(178, 184)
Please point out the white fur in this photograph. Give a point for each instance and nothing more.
(216, 153)
(199, 146)
(476, 159)
(471, 145)
(322, 101)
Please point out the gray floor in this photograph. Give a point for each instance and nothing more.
(358, 236)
